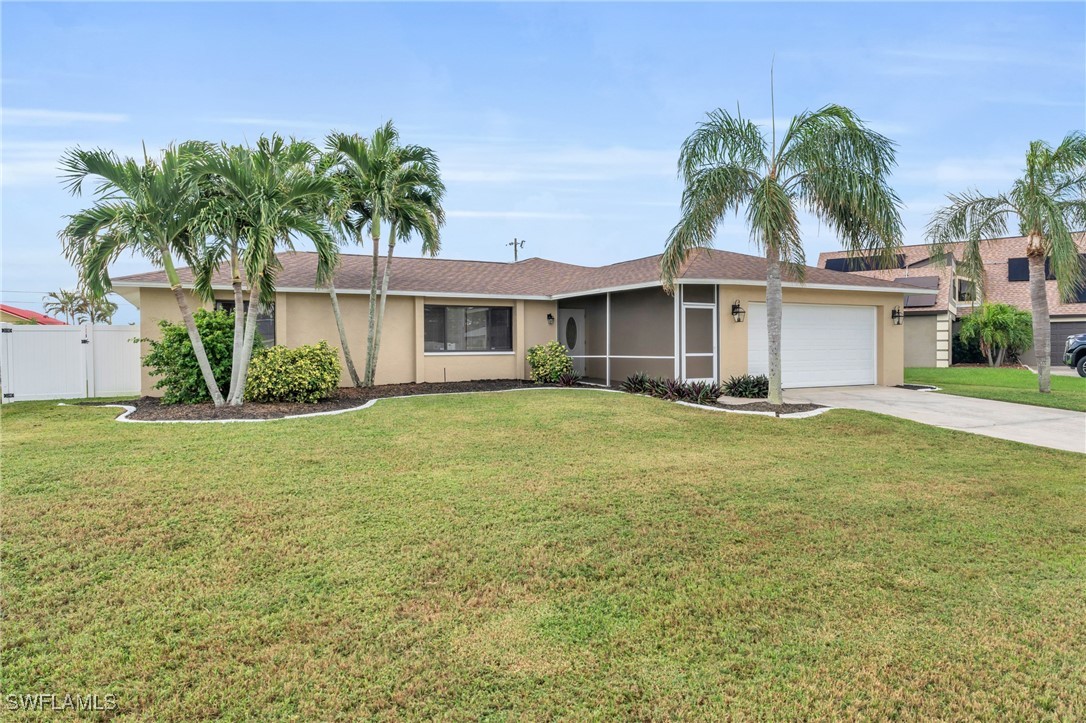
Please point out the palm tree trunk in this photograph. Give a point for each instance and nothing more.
(1038, 298)
(773, 307)
(239, 325)
(384, 297)
(238, 396)
(343, 335)
(194, 333)
(370, 367)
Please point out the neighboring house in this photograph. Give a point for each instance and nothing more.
(460, 320)
(15, 315)
(943, 296)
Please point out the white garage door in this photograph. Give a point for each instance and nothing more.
(821, 346)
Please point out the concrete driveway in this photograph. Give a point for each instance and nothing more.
(1041, 426)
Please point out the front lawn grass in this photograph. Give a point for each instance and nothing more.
(1005, 385)
(537, 555)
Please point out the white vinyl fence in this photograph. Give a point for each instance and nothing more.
(66, 362)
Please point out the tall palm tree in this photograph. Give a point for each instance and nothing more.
(62, 303)
(225, 240)
(401, 186)
(827, 163)
(1049, 201)
(146, 209)
(347, 215)
(269, 193)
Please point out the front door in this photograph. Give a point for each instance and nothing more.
(571, 334)
(699, 342)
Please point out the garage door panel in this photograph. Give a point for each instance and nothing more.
(821, 345)
(1058, 337)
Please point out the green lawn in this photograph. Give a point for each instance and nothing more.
(1006, 385)
(537, 555)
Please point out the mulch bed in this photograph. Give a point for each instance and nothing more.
(152, 408)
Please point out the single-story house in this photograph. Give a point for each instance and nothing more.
(460, 320)
(934, 312)
(15, 315)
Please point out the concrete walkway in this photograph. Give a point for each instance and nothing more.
(1041, 426)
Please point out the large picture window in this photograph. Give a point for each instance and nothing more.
(469, 328)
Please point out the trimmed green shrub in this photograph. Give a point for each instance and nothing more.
(306, 373)
(748, 386)
(548, 362)
(173, 359)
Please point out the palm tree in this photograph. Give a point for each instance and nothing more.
(1049, 201)
(267, 196)
(225, 240)
(827, 163)
(63, 303)
(96, 309)
(347, 215)
(146, 209)
(400, 185)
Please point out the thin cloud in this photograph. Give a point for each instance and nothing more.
(33, 163)
(326, 126)
(509, 164)
(45, 117)
(519, 215)
(957, 174)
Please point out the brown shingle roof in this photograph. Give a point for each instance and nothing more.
(995, 253)
(531, 277)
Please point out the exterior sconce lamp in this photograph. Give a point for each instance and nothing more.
(897, 316)
(550, 319)
(738, 312)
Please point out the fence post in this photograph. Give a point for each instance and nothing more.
(87, 342)
(6, 364)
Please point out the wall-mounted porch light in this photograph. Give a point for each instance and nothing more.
(550, 319)
(738, 312)
(897, 316)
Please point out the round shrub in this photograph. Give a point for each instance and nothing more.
(548, 362)
(306, 373)
(173, 359)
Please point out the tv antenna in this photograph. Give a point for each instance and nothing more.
(517, 245)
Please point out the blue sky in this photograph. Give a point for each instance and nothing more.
(555, 123)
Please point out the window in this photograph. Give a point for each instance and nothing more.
(468, 328)
(864, 263)
(1018, 270)
(265, 319)
(963, 290)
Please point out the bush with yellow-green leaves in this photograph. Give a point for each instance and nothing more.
(306, 373)
(548, 362)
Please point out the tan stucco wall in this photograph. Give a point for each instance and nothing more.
(920, 340)
(156, 305)
(306, 318)
(890, 353)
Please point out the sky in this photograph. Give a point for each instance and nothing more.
(559, 124)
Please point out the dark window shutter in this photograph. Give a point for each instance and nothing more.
(1018, 269)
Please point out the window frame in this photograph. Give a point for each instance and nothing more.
(445, 330)
(268, 316)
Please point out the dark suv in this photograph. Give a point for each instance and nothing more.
(1074, 353)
